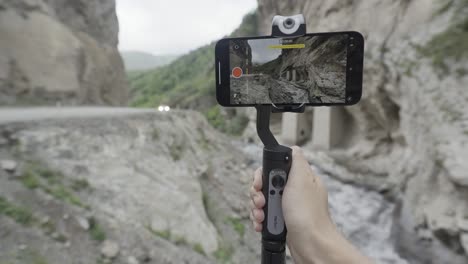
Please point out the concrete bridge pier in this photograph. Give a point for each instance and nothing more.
(296, 128)
(324, 126)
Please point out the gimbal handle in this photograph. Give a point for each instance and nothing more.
(276, 165)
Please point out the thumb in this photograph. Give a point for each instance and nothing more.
(300, 174)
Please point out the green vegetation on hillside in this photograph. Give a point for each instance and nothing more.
(189, 83)
(96, 232)
(39, 176)
(177, 84)
(450, 44)
(19, 214)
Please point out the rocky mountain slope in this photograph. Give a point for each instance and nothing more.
(60, 52)
(411, 127)
(147, 187)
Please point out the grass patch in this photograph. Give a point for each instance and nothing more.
(54, 183)
(180, 240)
(62, 193)
(26, 218)
(79, 184)
(237, 224)
(197, 247)
(165, 234)
(19, 214)
(30, 180)
(223, 254)
(176, 151)
(60, 238)
(95, 230)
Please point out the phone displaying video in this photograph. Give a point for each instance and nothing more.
(312, 69)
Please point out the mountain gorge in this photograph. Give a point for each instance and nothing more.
(413, 106)
(134, 185)
(411, 134)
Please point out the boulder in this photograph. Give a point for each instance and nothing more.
(110, 249)
(8, 165)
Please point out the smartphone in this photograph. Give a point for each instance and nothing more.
(314, 69)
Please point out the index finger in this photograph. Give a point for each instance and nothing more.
(257, 183)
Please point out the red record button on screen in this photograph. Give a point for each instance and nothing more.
(236, 72)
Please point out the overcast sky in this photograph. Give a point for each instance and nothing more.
(177, 26)
(260, 51)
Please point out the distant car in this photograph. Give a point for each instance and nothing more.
(164, 108)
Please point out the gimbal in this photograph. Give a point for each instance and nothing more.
(277, 159)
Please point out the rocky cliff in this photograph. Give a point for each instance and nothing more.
(60, 52)
(409, 134)
(147, 187)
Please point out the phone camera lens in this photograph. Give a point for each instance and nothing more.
(236, 47)
(288, 23)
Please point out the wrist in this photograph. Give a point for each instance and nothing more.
(312, 245)
(325, 245)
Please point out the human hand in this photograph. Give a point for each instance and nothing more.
(305, 199)
(312, 236)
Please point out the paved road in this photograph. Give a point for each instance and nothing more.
(12, 115)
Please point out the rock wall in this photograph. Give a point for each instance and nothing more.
(147, 187)
(411, 134)
(60, 52)
(120, 188)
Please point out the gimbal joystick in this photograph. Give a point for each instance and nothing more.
(277, 159)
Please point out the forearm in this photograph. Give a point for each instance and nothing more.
(327, 246)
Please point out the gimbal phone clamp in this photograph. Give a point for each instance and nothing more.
(277, 159)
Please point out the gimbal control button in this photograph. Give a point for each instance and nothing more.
(278, 181)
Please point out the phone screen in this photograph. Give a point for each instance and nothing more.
(307, 69)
